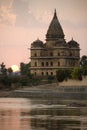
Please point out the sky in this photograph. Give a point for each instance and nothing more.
(23, 21)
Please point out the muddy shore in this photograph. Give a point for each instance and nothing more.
(48, 91)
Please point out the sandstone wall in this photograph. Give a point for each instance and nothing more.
(74, 82)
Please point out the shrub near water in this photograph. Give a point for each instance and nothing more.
(77, 73)
(63, 74)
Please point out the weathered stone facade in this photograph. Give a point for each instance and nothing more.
(47, 58)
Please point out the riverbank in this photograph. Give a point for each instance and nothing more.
(53, 90)
(5, 93)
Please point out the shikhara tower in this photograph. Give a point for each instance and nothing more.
(47, 58)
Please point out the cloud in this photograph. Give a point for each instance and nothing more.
(27, 16)
(6, 15)
(24, 18)
(42, 17)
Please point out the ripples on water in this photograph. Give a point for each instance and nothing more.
(25, 114)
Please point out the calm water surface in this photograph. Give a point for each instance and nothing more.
(26, 114)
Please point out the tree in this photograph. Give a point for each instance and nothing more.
(83, 61)
(3, 69)
(63, 74)
(25, 68)
(77, 73)
(10, 70)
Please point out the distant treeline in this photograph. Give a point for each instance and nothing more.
(25, 78)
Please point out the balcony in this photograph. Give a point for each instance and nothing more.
(54, 67)
(55, 57)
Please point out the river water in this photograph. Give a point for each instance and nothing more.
(27, 114)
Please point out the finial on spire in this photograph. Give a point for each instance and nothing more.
(55, 10)
(55, 13)
(37, 38)
(72, 38)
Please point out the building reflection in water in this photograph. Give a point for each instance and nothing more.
(53, 119)
(21, 114)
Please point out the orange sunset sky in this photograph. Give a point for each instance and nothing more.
(23, 21)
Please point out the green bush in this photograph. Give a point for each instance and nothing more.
(77, 73)
(63, 74)
(50, 78)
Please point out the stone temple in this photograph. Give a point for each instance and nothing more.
(47, 58)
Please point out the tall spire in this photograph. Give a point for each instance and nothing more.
(55, 15)
(55, 30)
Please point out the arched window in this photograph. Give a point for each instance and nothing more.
(42, 73)
(58, 54)
(51, 63)
(51, 73)
(58, 63)
(51, 53)
(35, 63)
(70, 54)
(47, 64)
(42, 63)
(35, 54)
(35, 73)
(46, 73)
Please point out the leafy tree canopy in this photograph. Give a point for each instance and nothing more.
(83, 61)
(63, 74)
(77, 73)
(25, 68)
(3, 69)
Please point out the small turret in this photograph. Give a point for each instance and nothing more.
(37, 43)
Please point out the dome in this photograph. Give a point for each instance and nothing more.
(55, 30)
(73, 43)
(37, 43)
